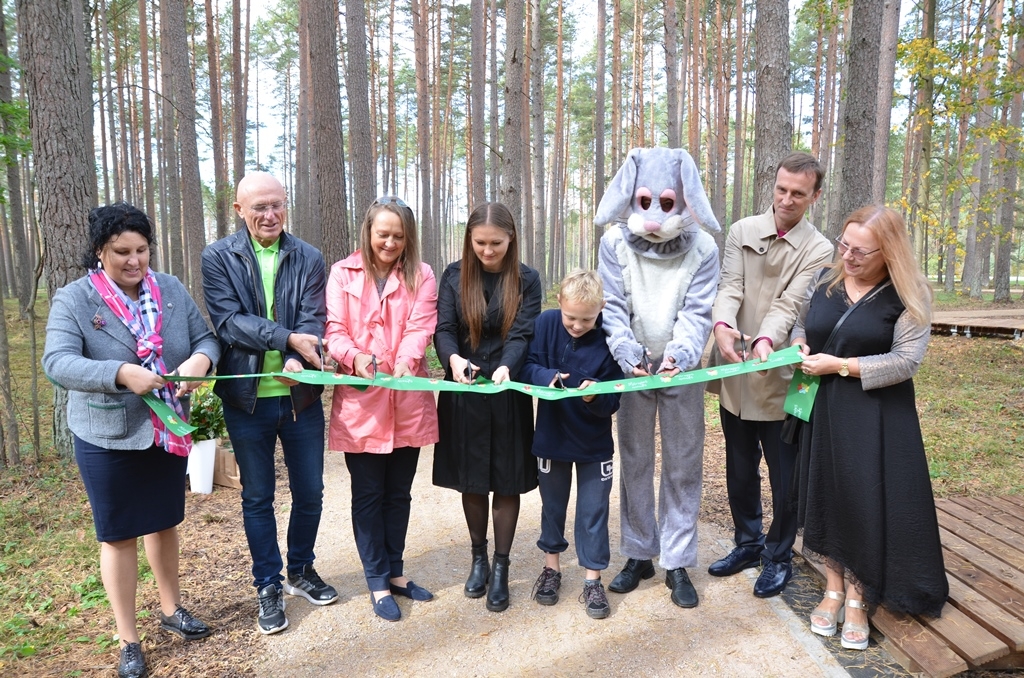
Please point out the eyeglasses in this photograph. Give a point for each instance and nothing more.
(857, 253)
(390, 199)
(263, 208)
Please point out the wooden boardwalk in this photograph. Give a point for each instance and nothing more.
(992, 322)
(982, 624)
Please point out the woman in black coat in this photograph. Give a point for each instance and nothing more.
(486, 306)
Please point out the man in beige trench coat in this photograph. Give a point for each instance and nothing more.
(769, 261)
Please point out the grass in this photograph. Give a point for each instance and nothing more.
(52, 605)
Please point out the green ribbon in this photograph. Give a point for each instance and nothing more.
(788, 356)
(800, 397)
(168, 416)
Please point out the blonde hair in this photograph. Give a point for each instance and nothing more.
(582, 286)
(895, 248)
(408, 264)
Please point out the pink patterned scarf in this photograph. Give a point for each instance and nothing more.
(144, 319)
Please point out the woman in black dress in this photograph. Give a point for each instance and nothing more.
(486, 305)
(111, 338)
(865, 497)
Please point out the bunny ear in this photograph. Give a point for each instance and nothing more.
(693, 193)
(616, 200)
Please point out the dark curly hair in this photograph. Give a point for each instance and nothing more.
(109, 221)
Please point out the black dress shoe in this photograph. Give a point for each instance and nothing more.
(773, 579)
(184, 624)
(479, 573)
(739, 559)
(132, 664)
(412, 590)
(683, 593)
(631, 574)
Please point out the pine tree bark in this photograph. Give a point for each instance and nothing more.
(147, 121)
(221, 189)
(58, 101)
(537, 65)
(431, 247)
(325, 127)
(883, 112)
(22, 263)
(512, 149)
(773, 122)
(671, 74)
(174, 31)
(360, 128)
(478, 82)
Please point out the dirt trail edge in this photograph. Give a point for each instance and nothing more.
(730, 633)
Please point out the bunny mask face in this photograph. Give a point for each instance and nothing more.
(658, 194)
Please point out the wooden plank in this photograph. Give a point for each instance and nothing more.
(1003, 513)
(983, 561)
(987, 543)
(1016, 499)
(983, 611)
(919, 643)
(968, 639)
(978, 518)
(983, 583)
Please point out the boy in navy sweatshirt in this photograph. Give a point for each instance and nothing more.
(568, 350)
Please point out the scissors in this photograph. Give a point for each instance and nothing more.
(558, 381)
(320, 348)
(743, 345)
(373, 363)
(645, 359)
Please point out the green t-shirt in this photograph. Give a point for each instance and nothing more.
(273, 361)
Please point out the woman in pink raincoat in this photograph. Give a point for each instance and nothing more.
(381, 313)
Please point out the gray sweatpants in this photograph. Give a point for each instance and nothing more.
(672, 535)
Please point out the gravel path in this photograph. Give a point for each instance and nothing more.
(730, 633)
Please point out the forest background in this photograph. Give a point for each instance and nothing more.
(533, 103)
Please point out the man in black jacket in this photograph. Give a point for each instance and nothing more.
(265, 292)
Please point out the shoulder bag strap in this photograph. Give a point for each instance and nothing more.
(874, 292)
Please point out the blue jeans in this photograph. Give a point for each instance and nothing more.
(590, 526)
(254, 437)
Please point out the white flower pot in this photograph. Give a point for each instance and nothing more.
(200, 466)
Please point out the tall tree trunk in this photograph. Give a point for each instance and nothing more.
(431, 245)
(599, 118)
(239, 101)
(172, 187)
(671, 74)
(773, 123)
(886, 78)
(922, 155)
(478, 61)
(82, 45)
(173, 19)
(360, 129)
(861, 96)
(617, 155)
(494, 162)
(537, 65)
(512, 150)
(108, 93)
(23, 264)
(740, 126)
(1012, 152)
(221, 189)
(325, 127)
(147, 121)
(53, 82)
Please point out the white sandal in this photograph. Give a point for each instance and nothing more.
(856, 628)
(833, 619)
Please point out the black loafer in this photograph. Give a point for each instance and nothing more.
(683, 593)
(184, 624)
(773, 579)
(386, 608)
(630, 576)
(741, 558)
(412, 590)
(132, 664)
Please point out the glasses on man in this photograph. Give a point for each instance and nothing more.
(263, 208)
(390, 200)
(857, 253)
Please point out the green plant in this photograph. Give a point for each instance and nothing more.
(207, 415)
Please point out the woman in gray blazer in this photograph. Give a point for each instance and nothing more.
(110, 337)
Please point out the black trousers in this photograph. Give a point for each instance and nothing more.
(381, 499)
(745, 443)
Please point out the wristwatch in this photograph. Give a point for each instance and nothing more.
(844, 368)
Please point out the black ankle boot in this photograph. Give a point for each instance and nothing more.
(479, 573)
(497, 594)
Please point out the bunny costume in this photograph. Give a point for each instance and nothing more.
(660, 275)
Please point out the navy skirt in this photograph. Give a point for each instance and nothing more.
(132, 492)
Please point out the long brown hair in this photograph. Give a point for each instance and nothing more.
(471, 285)
(894, 245)
(408, 263)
